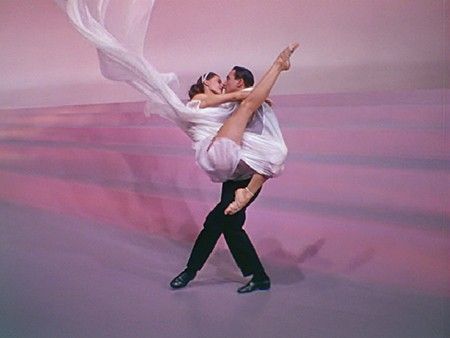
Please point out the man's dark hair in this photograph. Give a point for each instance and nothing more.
(245, 75)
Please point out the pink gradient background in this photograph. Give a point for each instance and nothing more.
(346, 46)
(100, 204)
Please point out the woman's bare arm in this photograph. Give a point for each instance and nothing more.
(217, 99)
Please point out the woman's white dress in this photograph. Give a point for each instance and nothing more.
(263, 149)
(118, 30)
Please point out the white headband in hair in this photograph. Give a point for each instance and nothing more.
(204, 76)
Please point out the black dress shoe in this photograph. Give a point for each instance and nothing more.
(254, 285)
(182, 279)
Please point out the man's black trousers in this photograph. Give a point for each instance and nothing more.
(231, 226)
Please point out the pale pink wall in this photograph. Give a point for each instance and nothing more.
(346, 46)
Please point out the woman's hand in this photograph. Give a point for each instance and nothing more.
(242, 95)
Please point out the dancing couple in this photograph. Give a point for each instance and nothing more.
(236, 135)
(219, 155)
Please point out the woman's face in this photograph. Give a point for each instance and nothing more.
(215, 84)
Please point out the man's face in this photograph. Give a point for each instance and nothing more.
(232, 84)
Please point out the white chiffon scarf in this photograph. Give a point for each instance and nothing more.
(118, 29)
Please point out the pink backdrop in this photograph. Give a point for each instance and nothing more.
(100, 204)
(346, 46)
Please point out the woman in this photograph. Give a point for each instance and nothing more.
(224, 150)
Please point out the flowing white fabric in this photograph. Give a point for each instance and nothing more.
(263, 149)
(118, 28)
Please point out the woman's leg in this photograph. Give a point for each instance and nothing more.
(234, 127)
(244, 195)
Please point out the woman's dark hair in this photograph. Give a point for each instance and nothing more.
(245, 75)
(199, 87)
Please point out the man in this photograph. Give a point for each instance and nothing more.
(231, 226)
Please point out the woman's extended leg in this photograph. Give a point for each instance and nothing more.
(234, 127)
